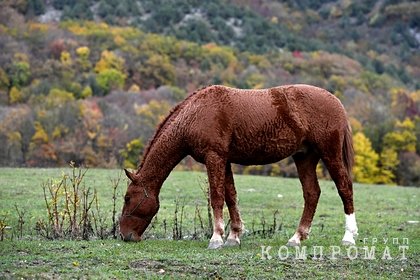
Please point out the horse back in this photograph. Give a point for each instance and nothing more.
(260, 126)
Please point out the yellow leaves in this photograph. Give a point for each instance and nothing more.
(65, 58)
(255, 80)
(153, 112)
(83, 52)
(355, 124)
(92, 116)
(14, 137)
(159, 69)
(101, 29)
(103, 141)
(15, 95)
(222, 55)
(91, 134)
(134, 88)
(119, 40)
(110, 69)
(334, 64)
(86, 92)
(389, 162)
(338, 83)
(85, 28)
(58, 98)
(366, 159)
(21, 57)
(109, 60)
(407, 124)
(37, 26)
(77, 30)
(415, 96)
(59, 131)
(131, 153)
(373, 168)
(40, 136)
(403, 138)
(260, 61)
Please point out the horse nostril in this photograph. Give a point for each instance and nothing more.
(129, 237)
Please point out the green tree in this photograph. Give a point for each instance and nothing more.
(403, 137)
(131, 153)
(4, 80)
(388, 163)
(110, 79)
(35, 7)
(110, 69)
(57, 98)
(157, 71)
(20, 73)
(4, 87)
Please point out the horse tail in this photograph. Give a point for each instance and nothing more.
(348, 151)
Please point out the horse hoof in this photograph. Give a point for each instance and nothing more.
(232, 243)
(348, 239)
(293, 243)
(215, 244)
(348, 242)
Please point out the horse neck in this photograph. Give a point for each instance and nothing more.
(163, 155)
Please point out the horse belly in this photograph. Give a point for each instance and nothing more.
(264, 150)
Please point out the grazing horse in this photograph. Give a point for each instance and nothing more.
(219, 125)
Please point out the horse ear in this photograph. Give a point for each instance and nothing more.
(130, 175)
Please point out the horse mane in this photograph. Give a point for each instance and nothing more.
(172, 114)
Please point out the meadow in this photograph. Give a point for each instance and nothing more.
(388, 245)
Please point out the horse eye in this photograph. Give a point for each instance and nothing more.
(127, 199)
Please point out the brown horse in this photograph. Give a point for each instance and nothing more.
(219, 125)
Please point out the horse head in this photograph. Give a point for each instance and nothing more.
(139, 208)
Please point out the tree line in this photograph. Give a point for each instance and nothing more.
(93, 93)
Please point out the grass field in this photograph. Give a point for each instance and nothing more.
(383, 214)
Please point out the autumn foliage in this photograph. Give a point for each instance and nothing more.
(93, 92)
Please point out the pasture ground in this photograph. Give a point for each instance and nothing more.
(384, 215)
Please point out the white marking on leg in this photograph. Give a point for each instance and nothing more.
(351, 230)
(233, 239)
(216, 240)
(294, 241)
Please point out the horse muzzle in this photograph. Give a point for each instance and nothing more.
(130, 237)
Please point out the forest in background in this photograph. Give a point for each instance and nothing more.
(88, 81)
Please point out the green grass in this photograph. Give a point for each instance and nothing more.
(383, 213)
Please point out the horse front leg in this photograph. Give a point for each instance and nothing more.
(216, 169)
(236, 225)
(306, 166)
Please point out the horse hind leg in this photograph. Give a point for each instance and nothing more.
(306, 166)
(344, 184)
(236, 225)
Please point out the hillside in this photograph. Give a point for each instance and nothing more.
(382, 35)
(89, 80)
